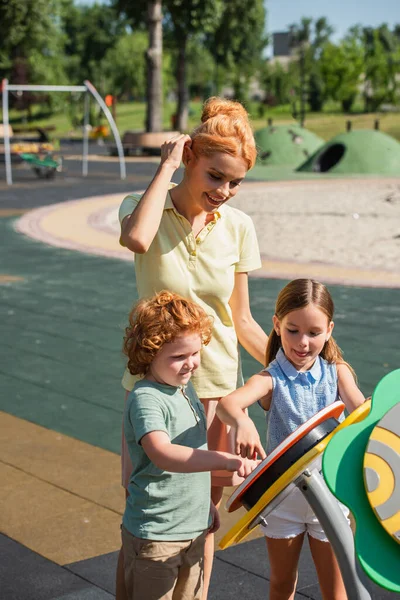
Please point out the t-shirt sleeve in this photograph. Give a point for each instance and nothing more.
(249, 251)
(127, 207)
(146, 414)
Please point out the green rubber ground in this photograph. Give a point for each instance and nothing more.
(62, 328)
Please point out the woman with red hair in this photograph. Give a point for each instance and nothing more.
(188, 240)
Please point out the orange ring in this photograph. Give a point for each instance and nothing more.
(333, 410)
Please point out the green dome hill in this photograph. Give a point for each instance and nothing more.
(364, 151)
(288, 145)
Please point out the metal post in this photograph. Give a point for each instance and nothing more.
(85, 135)
(113, 126)
(6, 124)
(337, 530)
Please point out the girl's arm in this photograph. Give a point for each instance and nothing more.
(139, 229)
(249, 333)
(348, 390)
(182, 459)
(230, 410)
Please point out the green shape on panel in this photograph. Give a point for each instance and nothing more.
(365, 151)
(378, 552)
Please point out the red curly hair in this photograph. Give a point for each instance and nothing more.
(225, 127)
(157, 321)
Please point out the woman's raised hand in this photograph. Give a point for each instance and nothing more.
(172, 150)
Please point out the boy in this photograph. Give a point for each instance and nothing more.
(167, 514)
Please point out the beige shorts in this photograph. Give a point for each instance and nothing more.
(219, 437)
(160, 570)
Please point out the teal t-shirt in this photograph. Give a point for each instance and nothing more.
(162, 505)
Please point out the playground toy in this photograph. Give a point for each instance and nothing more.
(364, 151)
(361, 466)
(44, 166)
(37, 153)
(88, 89)
(367, 455)
(288, 145)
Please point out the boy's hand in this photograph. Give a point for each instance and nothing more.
(172, 150)
(242, 466)
(248, 443)
(249, 466)
(216, 521)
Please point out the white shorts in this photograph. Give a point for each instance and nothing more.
(294, 516)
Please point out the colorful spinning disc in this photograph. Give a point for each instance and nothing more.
(334, 410)
(245, 525)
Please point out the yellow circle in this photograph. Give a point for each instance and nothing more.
(382, 472)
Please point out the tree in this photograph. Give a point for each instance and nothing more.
(90, 32)
(31, 46)
(237, 43)
(277, 83)
(381, 64)
(182, 22)
(185, 20)
(154, 66)
(124, 66)
(308, 42)
(147, 14)
(341, 67)
(200, 69)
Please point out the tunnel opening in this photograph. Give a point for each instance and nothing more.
(330, 158)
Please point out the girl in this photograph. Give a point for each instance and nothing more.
(167, 510)
(188, 240)
(305, 373)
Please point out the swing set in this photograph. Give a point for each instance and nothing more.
(48, 165)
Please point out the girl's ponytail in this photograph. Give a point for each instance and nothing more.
(274, 343)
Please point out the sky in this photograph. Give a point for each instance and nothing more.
(340, 14)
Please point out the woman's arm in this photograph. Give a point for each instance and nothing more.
(230, 410)
(348, 389)
(139, 229)
(250, 335)
(181, 459)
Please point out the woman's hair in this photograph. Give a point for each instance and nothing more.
(225, 127)
(158, 321)
(299, 293)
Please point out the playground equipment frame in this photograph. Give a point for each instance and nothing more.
(87, 87)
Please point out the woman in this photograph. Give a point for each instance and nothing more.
(189, 241)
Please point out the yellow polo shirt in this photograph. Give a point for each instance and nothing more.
(203, 270)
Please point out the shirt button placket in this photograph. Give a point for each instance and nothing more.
(192, 251)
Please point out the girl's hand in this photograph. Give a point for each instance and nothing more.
(248, 443)
(216, 521)
(172, 150)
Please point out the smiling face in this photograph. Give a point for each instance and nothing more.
(175, 363)
(213, 180)
(303, 334)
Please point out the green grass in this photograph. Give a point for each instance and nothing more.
(132, 116)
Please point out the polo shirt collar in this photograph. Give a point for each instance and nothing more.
(169, 205)
(292, 373)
